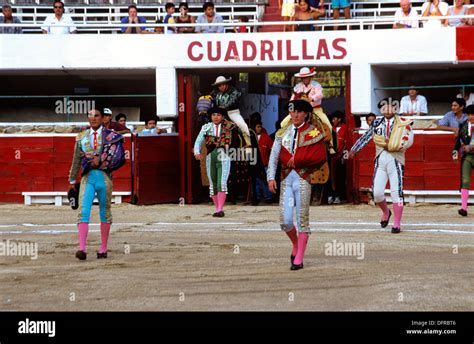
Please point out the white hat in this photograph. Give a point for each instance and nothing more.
(107, 111)
(305, 72)
(221, 80)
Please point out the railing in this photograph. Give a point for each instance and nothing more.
(361, 24)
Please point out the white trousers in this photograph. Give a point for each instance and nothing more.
(237, 118)
(387, 168)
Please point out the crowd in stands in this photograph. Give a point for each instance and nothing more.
(291, 10)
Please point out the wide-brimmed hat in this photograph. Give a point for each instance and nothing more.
(221, 80)
(300, 105)
(305, 72)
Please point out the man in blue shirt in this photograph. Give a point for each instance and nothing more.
(209, 16)
(8, 18)
(133, 18)
(454, 118)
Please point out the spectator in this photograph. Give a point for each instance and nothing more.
(265, 144)
(457, 10)
(8, 18)
(454, 118)
(303, 14)
(159, 29)
(338, 168)
(470, 21)
(406, 11)
(58, 18)
(151, 129)
(337, 5)
(109, 124)
(413, 104)
(185, 18)
(121, 119)
(287, 10)
(317, 8)
(370, 118)
(170, 9)
(242, 28)
(468, 97)
(433, 8)
(133, 18)
(209, 16)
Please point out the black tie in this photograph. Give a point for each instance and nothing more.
(294, 141)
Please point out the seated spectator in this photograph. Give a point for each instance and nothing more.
(170, 9)
(151, 129)
(159, 29)
(242, 28)
(434, 8)
(413, 104)
(454, 118)
(209, 16)
(317, 8)
(287, 8)
(406, 11)
(185, 18)
(337, 5)
(109, 124)
(58, 18)
(121, 119)
(468, 97)
(468, 21)
(133, 18)
(8, 18)
(457, 10)
(303, 14)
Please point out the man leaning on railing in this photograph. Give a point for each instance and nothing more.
(8, 18)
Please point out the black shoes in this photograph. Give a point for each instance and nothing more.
(295, 267)
(383, 223)
(218, 214)
(101, 255)
(81, 255)
(462, 212)
(395, 230)
(292, 259)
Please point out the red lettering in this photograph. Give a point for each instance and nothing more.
(290, 57)
(246, 46)
(305, 51)
(232, 52)
(341, 49)
(266, 48)
(218, 52)
(192, 57)
(279, 50)
(323, 50)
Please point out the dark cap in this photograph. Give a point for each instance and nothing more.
(469, 110)
(300, 105)
(217, 109)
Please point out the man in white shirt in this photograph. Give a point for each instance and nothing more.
(52, 22)
(405, 11)
(413, 104)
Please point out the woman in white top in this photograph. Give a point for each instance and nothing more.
(457, 10)
(434, 8)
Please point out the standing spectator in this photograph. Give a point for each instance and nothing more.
(457, 10)
(454, 118)
(303, 14)
(209, 17)
(287, 10)
(133, 18)
(8, 18)
(185, 18)
(109, 124)
(170, 9)
(413, 104)
(265, 144)
(406, 11)
(338, 168)
(58, 18)
(337, 5)
(433, 8)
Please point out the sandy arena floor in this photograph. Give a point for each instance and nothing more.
(172, 257)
